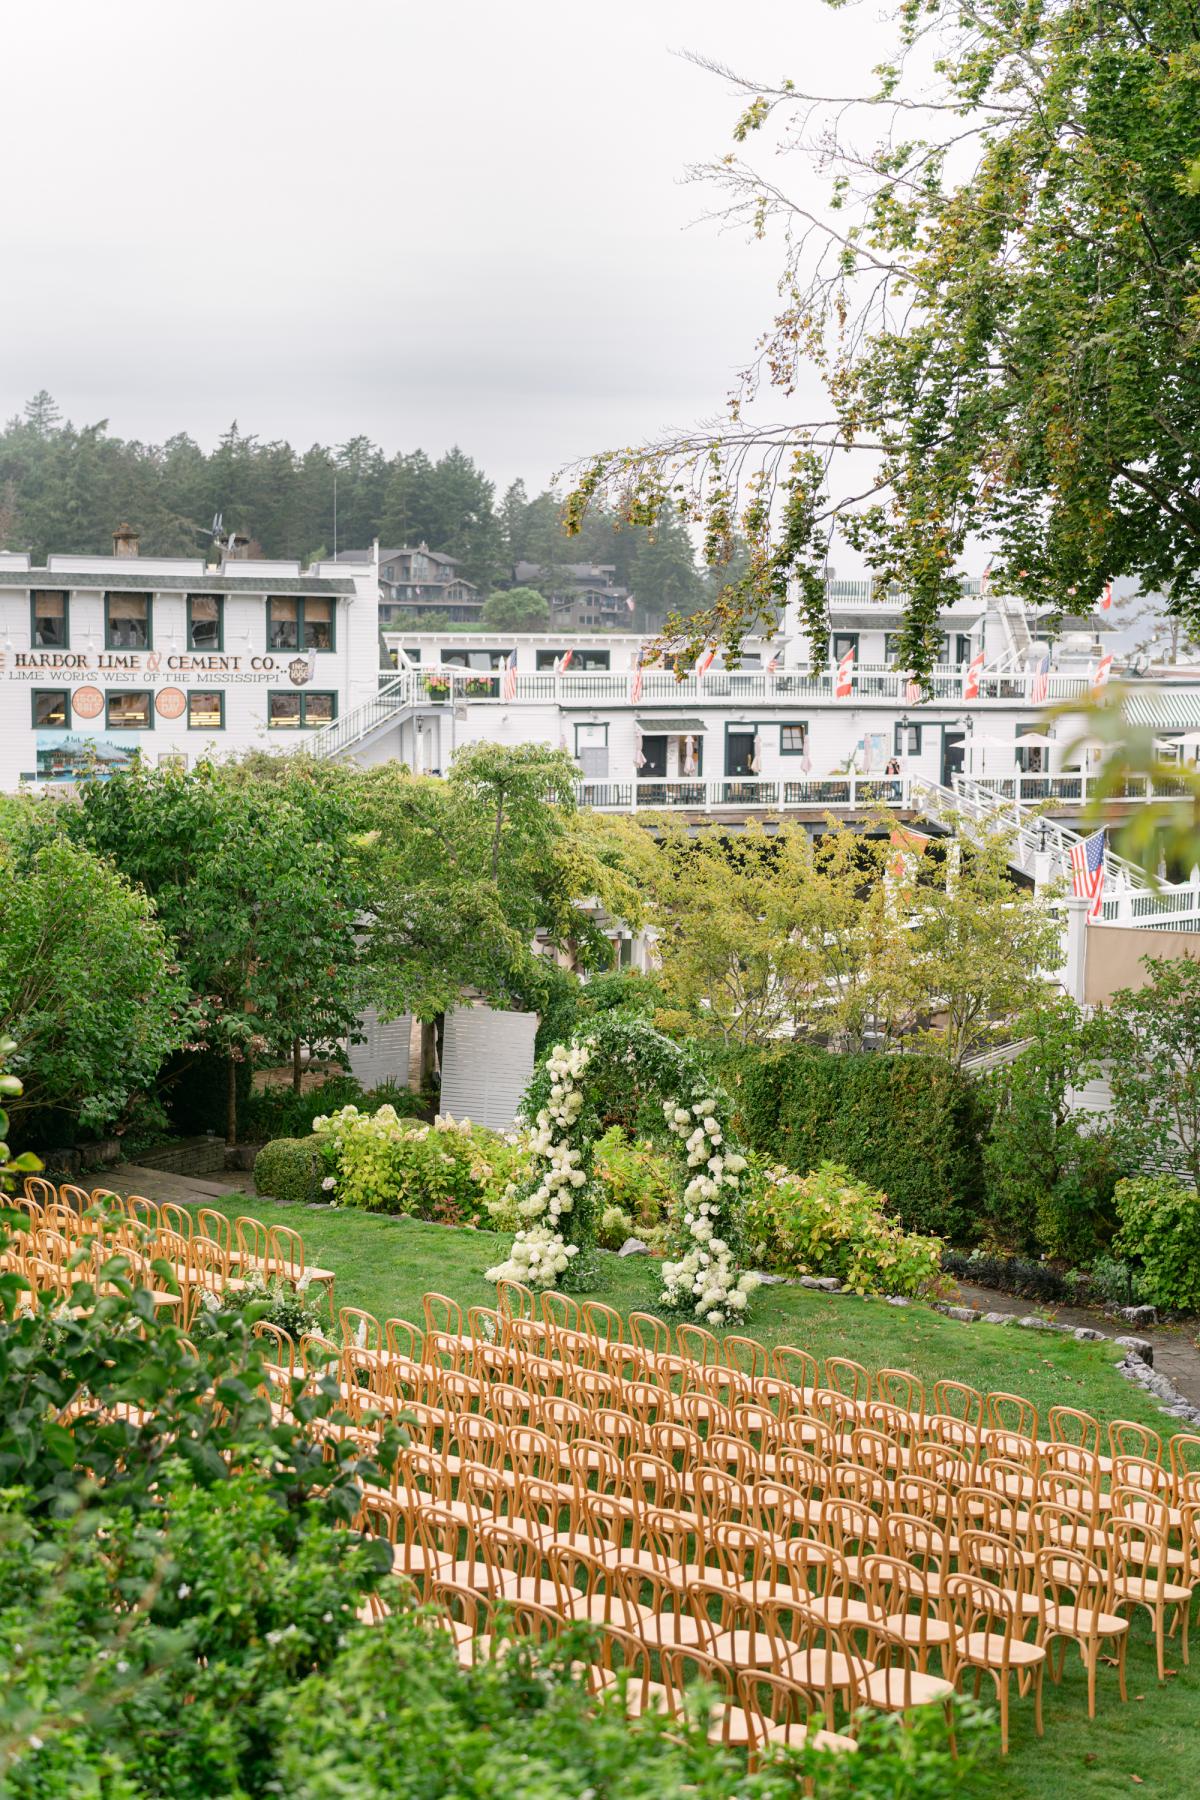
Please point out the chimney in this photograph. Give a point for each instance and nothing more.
(125, 541)
(239, 547)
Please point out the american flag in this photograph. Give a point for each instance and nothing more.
(1087, 871)
(985, 580)
(773, 664)
(914, 693)
(1041, 682)
(1103, 671)
(1106, 603)
(974, 671)
(844, 685)
(635, 687)
(508, 682)
(563, 663)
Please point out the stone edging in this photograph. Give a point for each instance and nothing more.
(1137, 1365)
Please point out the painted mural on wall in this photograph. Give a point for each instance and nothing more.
(68, 755)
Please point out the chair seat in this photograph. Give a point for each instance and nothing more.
(985, 1649)
(894, 1689)
(836, 1610)
(794, 1736)
(816, 1669)
(670, 1629)
(743, 1649)
(1083, 1621)
(915, 1630)
(1141, 1592)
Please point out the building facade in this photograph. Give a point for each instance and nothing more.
(102, 657)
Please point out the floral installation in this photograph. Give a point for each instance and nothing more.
(706, 1277)
(557, 1202)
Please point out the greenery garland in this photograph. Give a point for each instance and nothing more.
(626, 1061)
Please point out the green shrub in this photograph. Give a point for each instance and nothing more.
(294, 1310)
(910, 1125)
(637, 1177)
(1160, 1229)
(613, 1226)
(447, 1171)
(826, 1223)
(290, 1169)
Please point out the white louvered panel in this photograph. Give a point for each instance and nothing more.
(487, 1060)
(383, 1054)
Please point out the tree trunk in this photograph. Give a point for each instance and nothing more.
(231, 1104)
(297, 1066)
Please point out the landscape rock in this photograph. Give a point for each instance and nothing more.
(1086, 1335)
(760, 1275)
(633, 1246)
(828, 1284)
(1140, 1315)
(1139, 1346)
(897, 1300)
(967, 1314)
(1031, 1322)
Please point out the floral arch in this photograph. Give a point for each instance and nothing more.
(625, 1062)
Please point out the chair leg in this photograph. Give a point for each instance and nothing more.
(1002, 1686)
(1159, 1644)
(1039, 1726)
(1091, 1658)
(1122, 1647)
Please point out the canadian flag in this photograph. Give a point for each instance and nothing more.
(974, 671)
(844, 683)
(1103, 671)
(704, 662)
(1106, 603)
(563, 663)
(635, 686)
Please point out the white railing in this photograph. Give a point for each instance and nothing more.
(871, 683)
(382, 708)
(1072, 789)
(1129, 898)
(690, 793)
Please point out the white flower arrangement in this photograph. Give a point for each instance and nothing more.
(706, 1279)
(540, 1254)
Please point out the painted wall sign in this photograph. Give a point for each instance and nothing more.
(170, 703)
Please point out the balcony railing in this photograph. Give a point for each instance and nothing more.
(870, 685)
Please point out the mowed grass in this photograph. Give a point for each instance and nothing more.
(385, 1265)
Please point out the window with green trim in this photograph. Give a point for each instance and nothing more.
(793, 738)
(290, 710)
(130, 711)
(913, 746)
(128, 623)
(297, 623)
(49, 620)
(206, 622)
(206, 710)
(51, 709)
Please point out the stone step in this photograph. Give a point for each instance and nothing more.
(159, 1184)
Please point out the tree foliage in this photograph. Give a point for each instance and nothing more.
(516, 609)
(992, 269)
(1153, 1042)
(89, 984)
(65, 487)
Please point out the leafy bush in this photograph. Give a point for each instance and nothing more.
(635, 1176)
(290, 1169)
(446, 1171)
(1160, 1229)
(1019, 1275)
(910, 1125)
(276, 1112)
(613, 1226)
(827, 1224)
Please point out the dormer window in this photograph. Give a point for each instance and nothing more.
(127, 622)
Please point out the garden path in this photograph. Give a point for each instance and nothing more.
(1175, 1353)
(161, 1184)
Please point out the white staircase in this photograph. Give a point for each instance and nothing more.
(1017, 636)
(392, 703)
(1129, 898)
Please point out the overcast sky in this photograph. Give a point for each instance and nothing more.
(463, 223)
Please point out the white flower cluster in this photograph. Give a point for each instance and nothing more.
(539, 1253)
(706, 1278)
(537, 1258)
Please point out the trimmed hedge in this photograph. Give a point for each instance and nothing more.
(289, 1169)
(911, 1125)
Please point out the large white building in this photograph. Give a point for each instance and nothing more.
(104, 656)
(775, 732)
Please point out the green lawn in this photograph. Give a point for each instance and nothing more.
(386, 1264)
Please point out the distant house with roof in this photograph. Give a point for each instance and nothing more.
(413, 580)
(584, 595)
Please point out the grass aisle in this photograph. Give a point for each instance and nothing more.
(1148, 1747)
